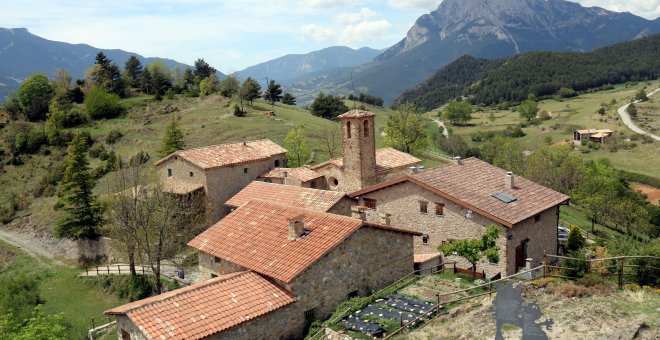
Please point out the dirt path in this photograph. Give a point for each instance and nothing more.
(28, 246)
(444, 128)
(630, 124)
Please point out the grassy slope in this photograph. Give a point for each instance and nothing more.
(62, 291)
(578, 112)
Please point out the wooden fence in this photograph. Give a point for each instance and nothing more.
(607, 267)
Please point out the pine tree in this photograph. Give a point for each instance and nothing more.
(289, 99)
(575, 240)
(249, 90)
(173, 139)
(83, 212)
(133, 71)
(273, 93)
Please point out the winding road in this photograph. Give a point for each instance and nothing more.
(630, 124)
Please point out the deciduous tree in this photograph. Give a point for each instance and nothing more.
(327, 106)
(474, 250)
(34, 94)
(296, 144)
(458, 112)
(406, 130)
(528, 109)
(250, 90)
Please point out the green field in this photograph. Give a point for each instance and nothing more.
(571, 114)
(61, 289)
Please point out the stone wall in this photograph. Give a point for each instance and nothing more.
(402, 201)
(367, 261)
(343, 207)
(223, 183)
(284, 323)
(209, 267)
(542, 236)
(124, 323)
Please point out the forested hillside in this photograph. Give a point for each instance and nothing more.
(449, 82)
(545, 73)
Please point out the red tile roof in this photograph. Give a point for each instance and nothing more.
(472, 185)
(307, 198)
(303, 174)
(256, 236)
(357, 114)
(216, 156)
(205, 308)
(386, 159)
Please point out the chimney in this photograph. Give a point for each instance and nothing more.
(508, 180)
(413, 169)
(296, 227)
(244, 143)
(385, 218)
(457, 159)
(358, 212)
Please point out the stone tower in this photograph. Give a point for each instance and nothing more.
(359, 143)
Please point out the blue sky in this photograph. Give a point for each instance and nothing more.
(232, 35)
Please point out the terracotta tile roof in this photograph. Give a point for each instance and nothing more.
(386, 159)
(303, 174)
(472, 185)
(256, 237)
(357, 114)
(180, 188)
(307, 198)
(205, 308)
(216, 156)
(421, 258)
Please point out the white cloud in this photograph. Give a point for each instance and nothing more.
(407, 5)
(348, 28)
(649, 9)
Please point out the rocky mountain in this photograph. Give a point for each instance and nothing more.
(487, 29)
(23, 53)
(294, 66)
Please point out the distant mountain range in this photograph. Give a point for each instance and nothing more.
(512, 79)
(294, 66)
(483, 29)
(23, 53)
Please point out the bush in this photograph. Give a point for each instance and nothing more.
(100, 104)
(576, 267)
(237, 111)
(139, 158)
(113, 136)
(98, 151)
(575, 239)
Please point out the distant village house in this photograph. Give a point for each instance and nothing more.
(591, 135)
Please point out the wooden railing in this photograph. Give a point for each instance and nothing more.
(117, 269)
(605, 270)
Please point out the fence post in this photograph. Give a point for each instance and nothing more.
(545, 263)
(454, 267)
(97, 270)
(621, 274)
(86, 271)
(108, 268)
(119, 269)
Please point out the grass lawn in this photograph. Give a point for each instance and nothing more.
(574, 113)
(61, 289)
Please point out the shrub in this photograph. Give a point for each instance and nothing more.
(571, 290)
(575, 267)
(113, 136)
(98, 151)
(237, 111)
(139, 158)
(100, 104)
(575, 239)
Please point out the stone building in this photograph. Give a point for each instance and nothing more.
(302, 177)
(220, 171)
(459, 200)
(361, 164)
(334, 202)
(274, 269)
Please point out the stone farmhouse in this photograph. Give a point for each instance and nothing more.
(361, 164)
(334, 202)
(457, 201)
(275, 269)
(591, 135)
(220, 171)
(302, 177)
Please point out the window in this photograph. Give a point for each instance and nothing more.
(468, 214)
(370, 203)
(214, 276)
(309, 315)
(245, 170)
(277, 163)
(169, 172)
(366, 128)
(191, 174)
(424, 207)
(125, 335)
(440, 209)
(348, 129)
(537, 218)
(425, 239)
(216, 260)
